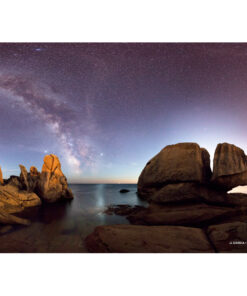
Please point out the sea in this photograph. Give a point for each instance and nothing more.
(62, 227)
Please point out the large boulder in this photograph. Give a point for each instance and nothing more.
(52, 184)
(147, 239)
(230, 167)
(180, 163)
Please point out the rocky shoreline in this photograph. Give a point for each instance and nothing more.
(190, 209)
(31, 189)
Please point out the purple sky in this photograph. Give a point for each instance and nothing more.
(106, 109)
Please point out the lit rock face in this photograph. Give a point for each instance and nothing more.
(26, 191)
(175, 164)
(30, 180)
(52, 184)
(1, 177)
(230, 167)
(13, 199)
(11, 195)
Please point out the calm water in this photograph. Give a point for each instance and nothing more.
(62, 227)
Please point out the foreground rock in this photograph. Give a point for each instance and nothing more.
(230, 166)
(229, 237)
(180, 163)
(52, 184)
(147, 239)
(198, 215)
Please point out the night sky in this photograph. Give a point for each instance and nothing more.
(106, 109)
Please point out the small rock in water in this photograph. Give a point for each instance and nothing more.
(123, 190)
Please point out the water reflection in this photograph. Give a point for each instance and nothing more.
(100, 195)
(62, 227)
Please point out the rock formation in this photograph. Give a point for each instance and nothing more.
(182, 172)
(230, 167)
(182, 194)
(28, 190)
(14, 200)
(52, 184)
(175, 171)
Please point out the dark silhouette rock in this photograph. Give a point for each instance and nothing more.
(147, 239)
(230, 167)
(124, 191)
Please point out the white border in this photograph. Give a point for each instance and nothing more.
(122, 21)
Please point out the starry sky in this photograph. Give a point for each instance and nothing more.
(106, 109)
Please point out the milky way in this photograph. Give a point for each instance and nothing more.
(105, 109)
